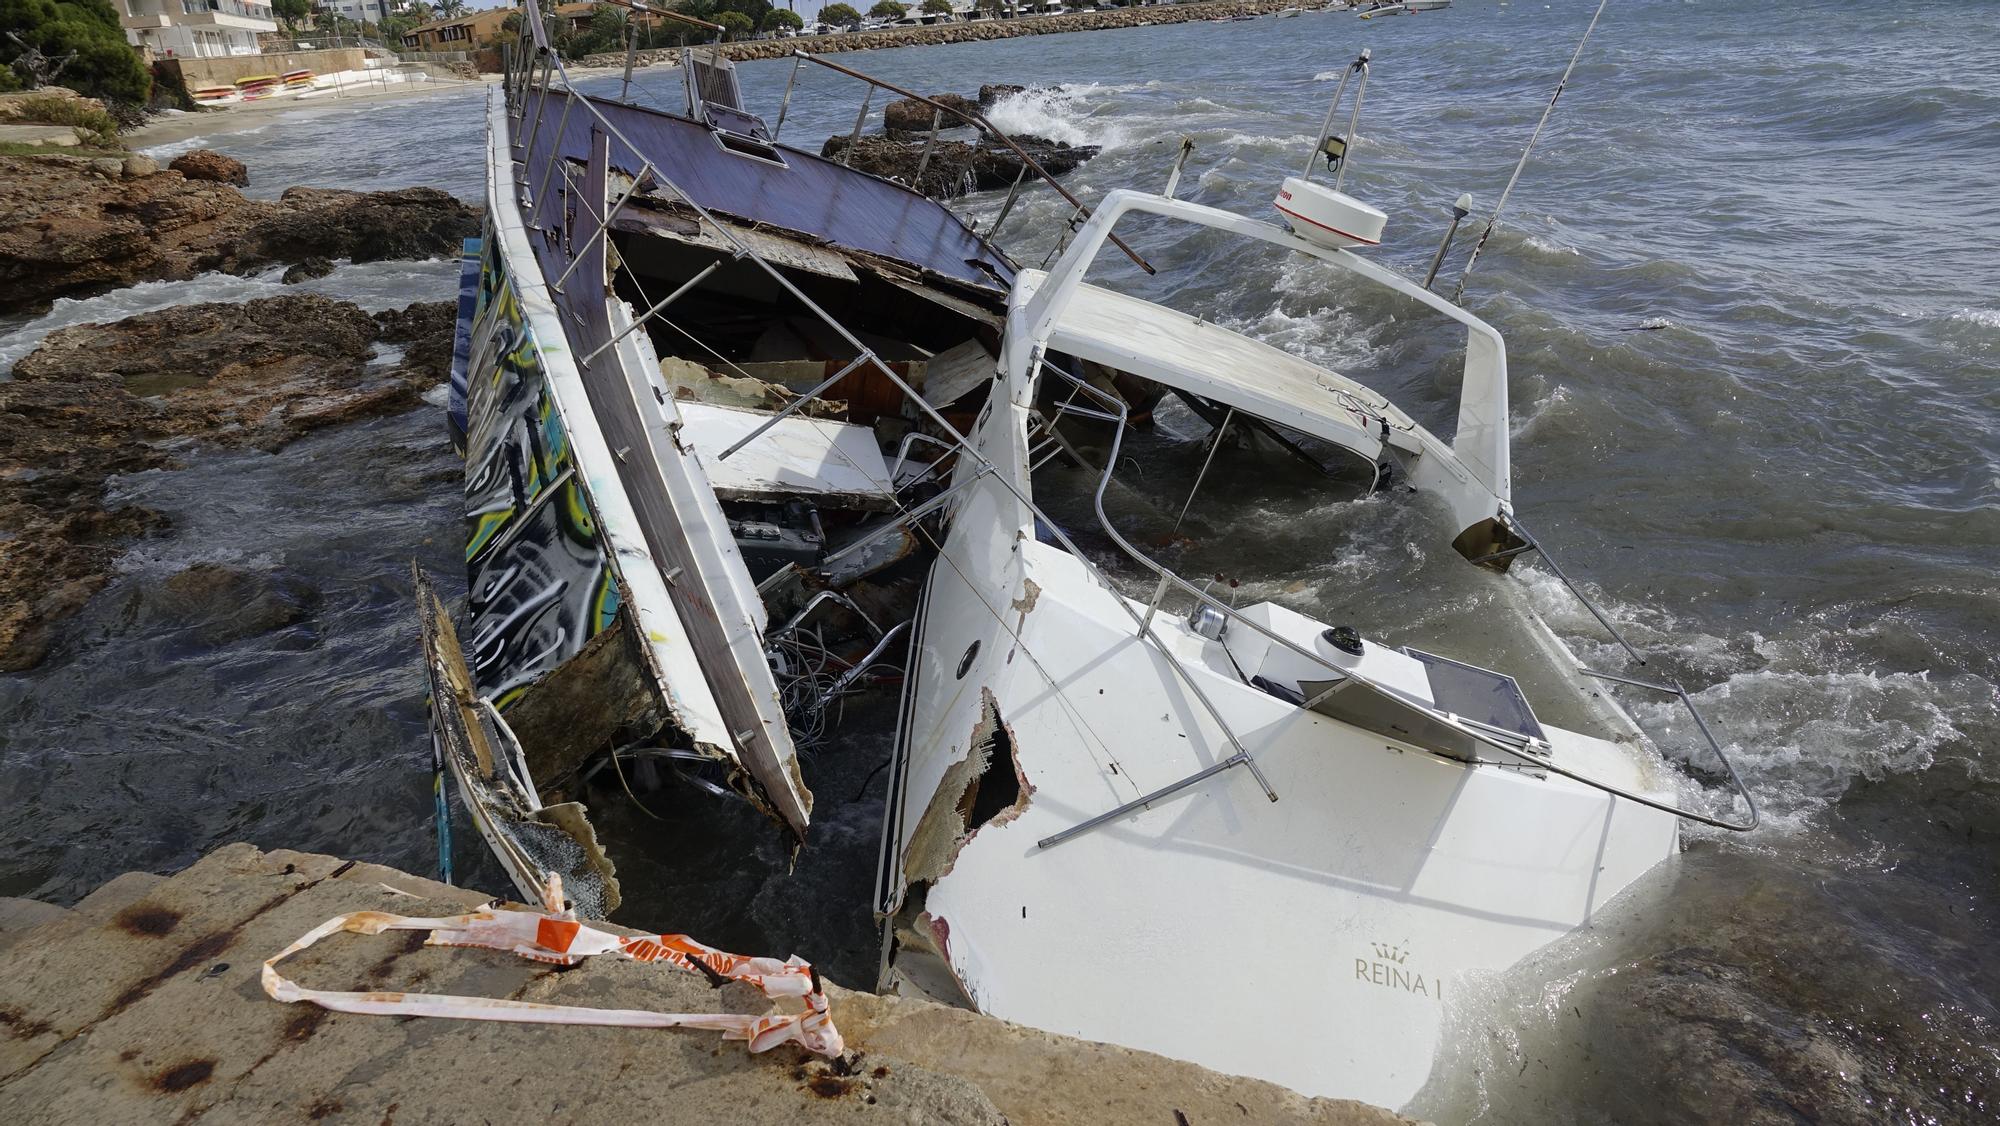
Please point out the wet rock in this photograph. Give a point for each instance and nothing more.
(306, 270)
(957, 167)
(95, 401)
(68, 226)
(220, 604)
(993, 92)
(207, 164)
(908, 115)
(365, 227)
(1747, 1009)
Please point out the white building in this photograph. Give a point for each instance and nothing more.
(360, 11)
(195, 28)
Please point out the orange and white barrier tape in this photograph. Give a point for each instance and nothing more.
(557, 938)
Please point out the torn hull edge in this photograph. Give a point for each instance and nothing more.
(559, 568)
(531, 840)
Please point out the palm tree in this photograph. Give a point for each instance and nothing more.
(420, 11)
(451, 9)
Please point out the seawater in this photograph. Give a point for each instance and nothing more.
(1748, 287)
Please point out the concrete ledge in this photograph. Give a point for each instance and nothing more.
(153, 1012)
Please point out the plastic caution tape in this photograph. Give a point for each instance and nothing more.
(558, 938)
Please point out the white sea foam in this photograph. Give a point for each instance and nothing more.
(1057, 113)
(374, 286)
(1550, 246)
(1984, 318)
(1801, 729)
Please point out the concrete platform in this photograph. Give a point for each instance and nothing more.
(143, 1005)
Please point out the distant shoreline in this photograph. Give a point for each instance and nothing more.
(973, 32)
(169, 128)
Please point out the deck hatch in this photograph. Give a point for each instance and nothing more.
(1487, 698)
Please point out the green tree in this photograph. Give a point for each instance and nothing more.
(993, 8)
(104, 66)
(937, 8)
(420, 11)
(291, 13)
(779, 19)
(839, 15)
(451, 9)
(888, 10)
(735, 25)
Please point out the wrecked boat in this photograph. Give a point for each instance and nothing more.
(748, 430)
(1128, 808)
(694, 362)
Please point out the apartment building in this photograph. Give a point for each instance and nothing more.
(196, 29)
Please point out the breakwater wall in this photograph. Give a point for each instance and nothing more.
(973, 32)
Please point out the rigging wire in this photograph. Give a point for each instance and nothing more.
(1494, 220)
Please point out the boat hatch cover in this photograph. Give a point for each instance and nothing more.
(1485, 697)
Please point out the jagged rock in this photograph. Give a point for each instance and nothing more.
(994, 91)
(207, 164)
(64, 231)
(306, 270)
(907, 115)
(99, 400)
(957, 167)
(371, 227)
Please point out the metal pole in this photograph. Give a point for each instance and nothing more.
(1523, 162)
(631, 57)
(1459, 211)
(785, 106)
(860, 119)
(1214, 445)
(1240, 758)
(1180, 162)
(555, 156)
(924, 162)
(1353, 123)
(1013, 193)
(1326, 126)
(798, 404)
(648, 314)
(602, 229)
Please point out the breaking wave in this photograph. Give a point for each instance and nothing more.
(1058, 114)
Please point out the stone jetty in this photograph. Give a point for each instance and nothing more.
(143, 1004)
(974, 31)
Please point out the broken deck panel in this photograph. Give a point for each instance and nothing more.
(95, 1028)
(808, 193)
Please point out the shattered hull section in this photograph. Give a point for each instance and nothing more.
(532, 841)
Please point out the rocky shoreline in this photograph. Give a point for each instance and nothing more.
(974, 32)
(98, 400)
(71, 226)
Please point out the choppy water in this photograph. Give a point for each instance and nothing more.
(1748, 287)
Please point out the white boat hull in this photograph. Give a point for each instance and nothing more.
(1220, 926)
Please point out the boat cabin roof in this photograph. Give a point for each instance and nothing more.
(1205, 359)
(798, 191)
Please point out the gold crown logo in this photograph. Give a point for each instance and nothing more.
(1390, 952)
